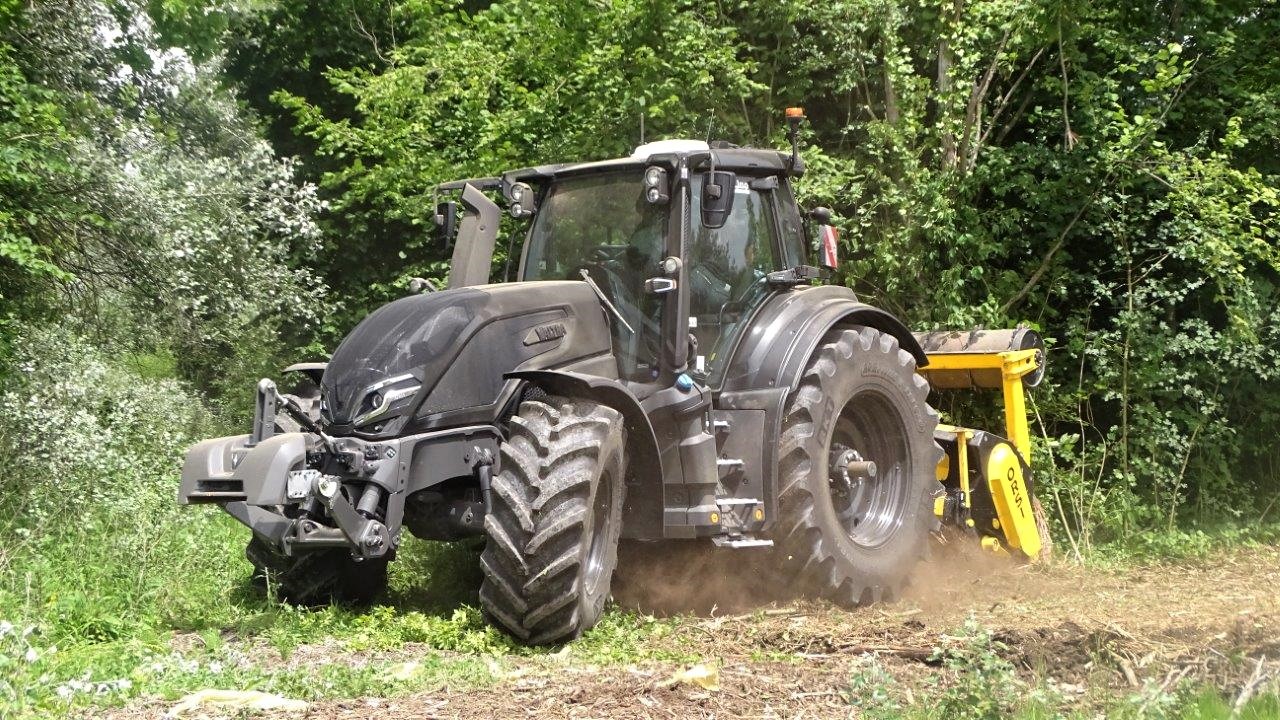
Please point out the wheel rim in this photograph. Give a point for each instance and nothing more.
(598, 549)
(870, 509)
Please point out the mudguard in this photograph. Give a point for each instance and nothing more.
(788, 329)
(603, 390)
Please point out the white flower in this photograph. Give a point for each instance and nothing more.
(31, 655)
(6, 627)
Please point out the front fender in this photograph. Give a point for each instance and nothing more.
(642, 513)
(603, 390)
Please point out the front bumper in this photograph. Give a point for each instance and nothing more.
(297, 494)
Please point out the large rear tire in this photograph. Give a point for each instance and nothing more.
(855, 540)
(316, 577)
(556, 516)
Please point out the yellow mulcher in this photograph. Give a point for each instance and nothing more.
(988, 487)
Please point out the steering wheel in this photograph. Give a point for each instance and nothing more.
(613, 254)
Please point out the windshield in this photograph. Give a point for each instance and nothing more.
(601, 224)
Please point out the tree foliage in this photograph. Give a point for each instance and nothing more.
(1104, 172)
(141, 201)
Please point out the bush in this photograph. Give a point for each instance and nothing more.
(82, 436)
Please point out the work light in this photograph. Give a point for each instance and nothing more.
(521, 196)
(655, 184)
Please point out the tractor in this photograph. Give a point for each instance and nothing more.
(667, 366)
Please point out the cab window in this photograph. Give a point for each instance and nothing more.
(726, 273)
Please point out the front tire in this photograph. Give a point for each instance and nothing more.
(555, 520)
(855, 540)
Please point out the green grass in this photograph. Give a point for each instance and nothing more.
(161, 607)
(155, 602)
(1180, 544)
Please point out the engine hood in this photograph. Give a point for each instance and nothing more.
(396, 357)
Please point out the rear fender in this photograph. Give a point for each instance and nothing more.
(786, 332)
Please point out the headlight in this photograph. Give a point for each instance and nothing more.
(383, 395)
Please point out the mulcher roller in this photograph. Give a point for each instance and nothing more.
(947, 342)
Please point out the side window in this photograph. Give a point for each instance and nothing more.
(602, 225)
(726, 274)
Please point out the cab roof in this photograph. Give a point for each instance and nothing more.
(667, 152)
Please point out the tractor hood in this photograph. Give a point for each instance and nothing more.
(443, 351)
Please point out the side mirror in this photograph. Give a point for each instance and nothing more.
(446, 221)
(717, 197)
(828, 237)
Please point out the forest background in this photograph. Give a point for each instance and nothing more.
(194, 194)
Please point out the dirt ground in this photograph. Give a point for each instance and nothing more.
(1085, 631)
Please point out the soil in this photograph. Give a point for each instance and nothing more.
(1087, 632)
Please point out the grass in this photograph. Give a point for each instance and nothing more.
(163, 608)
(1180, 544)
(156, 604)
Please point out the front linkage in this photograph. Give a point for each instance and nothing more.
(300, 491)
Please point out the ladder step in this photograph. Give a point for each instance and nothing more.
(740, 541)
(731, 502)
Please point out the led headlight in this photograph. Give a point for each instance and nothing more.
(383, 395)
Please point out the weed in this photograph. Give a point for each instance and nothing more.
(983, 685)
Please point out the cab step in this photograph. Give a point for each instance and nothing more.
(737, 542)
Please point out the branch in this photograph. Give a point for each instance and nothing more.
(1069, 137)
(1004, 101)
(974, 106)
(1048, 258)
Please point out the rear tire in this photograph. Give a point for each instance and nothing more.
(317, 577)
(556, 516)
(855, 541)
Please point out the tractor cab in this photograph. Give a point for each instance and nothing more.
(684, 242)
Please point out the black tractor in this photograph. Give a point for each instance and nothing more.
(664, 368)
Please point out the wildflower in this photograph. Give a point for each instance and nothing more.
(6, 627)
(31, 655)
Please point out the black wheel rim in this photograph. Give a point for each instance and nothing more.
(598, 549)
(870, 509)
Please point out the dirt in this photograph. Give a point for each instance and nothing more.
(1087, 632)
